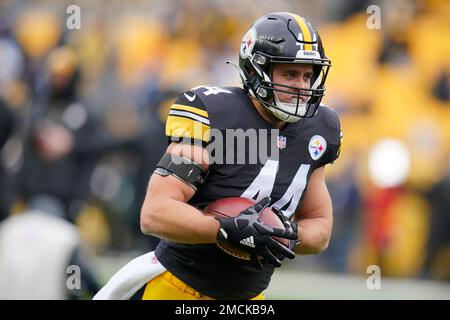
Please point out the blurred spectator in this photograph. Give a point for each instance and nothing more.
(441, 89)
(395, 51)
(7, 120)
(11, 61)
(36, 249)
(64, 137)
(437, 263)
(6, 124)
(346, 210)
(150, 143)
(398, 17)
(340, 11)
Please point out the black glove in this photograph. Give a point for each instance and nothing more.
(289, 225)
(247, 232)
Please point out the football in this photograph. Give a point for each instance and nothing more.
(231, 207)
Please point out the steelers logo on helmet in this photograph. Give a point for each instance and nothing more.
(283, 38)
(248, 43)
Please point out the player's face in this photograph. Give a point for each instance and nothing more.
(293, 75)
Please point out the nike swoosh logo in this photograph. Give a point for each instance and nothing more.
(190, 98)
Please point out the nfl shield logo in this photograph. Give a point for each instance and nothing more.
(281, 142)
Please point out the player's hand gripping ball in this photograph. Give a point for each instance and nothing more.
(249, 229)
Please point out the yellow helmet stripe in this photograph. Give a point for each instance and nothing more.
(305, 31)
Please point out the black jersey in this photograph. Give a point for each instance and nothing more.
(292, 155)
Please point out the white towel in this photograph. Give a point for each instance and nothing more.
(130, 278)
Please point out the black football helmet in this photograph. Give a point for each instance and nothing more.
(283, 37)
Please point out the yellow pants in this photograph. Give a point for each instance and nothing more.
(168, 287)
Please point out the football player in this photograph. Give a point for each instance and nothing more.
(283, 67)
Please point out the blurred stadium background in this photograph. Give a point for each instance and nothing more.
(82, 125)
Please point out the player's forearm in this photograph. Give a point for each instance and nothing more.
(314, 235)
(177, 221)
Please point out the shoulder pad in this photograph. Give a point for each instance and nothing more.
(188, 119)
